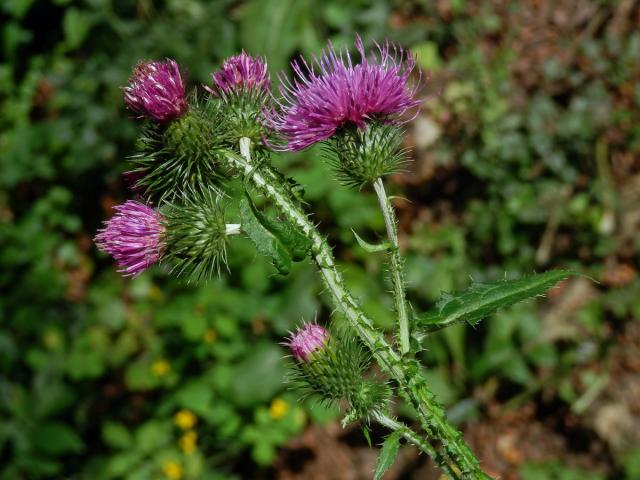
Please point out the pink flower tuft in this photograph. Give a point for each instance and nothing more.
(133, 237)
(156, 90)
(241, 72)
(308, 339)
(333, 91)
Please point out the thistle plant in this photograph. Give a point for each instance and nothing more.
(193, 146)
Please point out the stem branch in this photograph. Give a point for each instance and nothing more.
(397, 279)
(406, 373)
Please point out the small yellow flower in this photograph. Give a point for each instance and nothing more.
(172, 470)
(189, 442)
(185, 419)
(160, 368)
(210, 335)
(278, 408)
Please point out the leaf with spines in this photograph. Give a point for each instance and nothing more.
(388, 454)
(265, 242)
(483, 299)
(371, 247)
(295, 242)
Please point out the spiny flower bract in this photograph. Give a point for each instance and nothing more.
(133, 237)
(157, 90)
(333, 91)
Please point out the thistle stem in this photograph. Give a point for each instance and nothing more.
(397, 279)
(413, 438)
(406, 373)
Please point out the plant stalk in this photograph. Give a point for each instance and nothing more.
(413, 438)
(406, 373)
(397, 278)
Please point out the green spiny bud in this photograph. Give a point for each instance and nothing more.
(181, 155)
(362, 155)
(196, 235)
(242, 85)
(333, 367)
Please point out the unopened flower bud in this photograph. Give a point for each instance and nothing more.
(333, 367)
(307, 340)
(133, 237)
(242, 89)
(241, 73)
(156, 90)
(197, 235)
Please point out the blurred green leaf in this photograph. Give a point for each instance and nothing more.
(56, 438)
(258, 376)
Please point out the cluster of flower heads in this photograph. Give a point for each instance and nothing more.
(334, 91)
(327, 94)
(134, 236)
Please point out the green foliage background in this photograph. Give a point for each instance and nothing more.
(520, 164)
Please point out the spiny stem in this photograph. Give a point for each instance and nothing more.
(397, 278)
(413, 438)
(408, 376)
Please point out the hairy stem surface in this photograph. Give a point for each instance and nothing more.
(413, 438)
(397, 278)
(455, 454)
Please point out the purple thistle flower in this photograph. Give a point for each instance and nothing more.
(241, 72)
(308, 339)
(133, 237)
(316, 105)
(156, 90)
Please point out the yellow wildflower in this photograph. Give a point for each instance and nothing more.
(278, 408)
(172, 470)
(189, 442)
(160, 368)
(210, 335)
(185, 419)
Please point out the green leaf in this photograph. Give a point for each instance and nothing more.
(116, 435)
(297, 244)
(258, 377)
(483, 299)
(56, 438)
(265, 242)
(76, 24)
(370, 247)
(388, 454)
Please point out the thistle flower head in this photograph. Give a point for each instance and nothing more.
(334, 91)
(156, 90)
(133, 237)
(308, 339)
(241, 72)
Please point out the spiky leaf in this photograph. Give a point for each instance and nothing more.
(371, 247)
(483, 299)
(388, 454)
(296, 243)
(265, 242)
